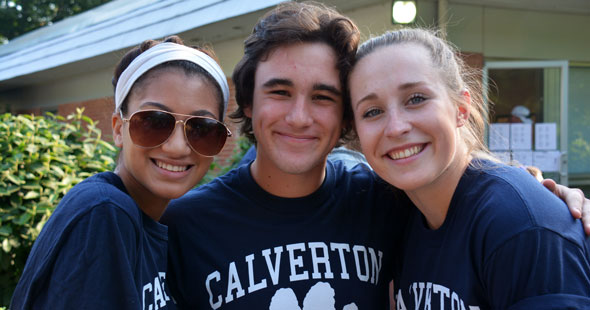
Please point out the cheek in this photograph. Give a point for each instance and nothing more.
(332, 116)
(204, 163)
(366, 130)
(266, 112)
(367, 137)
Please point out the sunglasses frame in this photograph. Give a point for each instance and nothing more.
(176, 121)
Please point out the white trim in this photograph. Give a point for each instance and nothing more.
(155, 19)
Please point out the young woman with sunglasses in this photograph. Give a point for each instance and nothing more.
(483, 235)
(103, 247)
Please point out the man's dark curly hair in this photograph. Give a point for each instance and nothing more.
(290, 23)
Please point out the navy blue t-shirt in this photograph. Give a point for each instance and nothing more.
(98, 250)
(506, 243)
(235, 246)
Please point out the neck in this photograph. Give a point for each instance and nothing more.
(434, 199)
(288, 185)
(149, 203)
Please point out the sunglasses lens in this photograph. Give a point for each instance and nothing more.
(151, 128)
(206, 136)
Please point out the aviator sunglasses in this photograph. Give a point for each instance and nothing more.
(152, 128)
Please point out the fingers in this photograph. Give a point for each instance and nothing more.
(574, 198)
(586, 216)
(550, 185)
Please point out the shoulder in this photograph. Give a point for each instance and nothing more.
(220, 192)
(362, 181)
(358, 176)
(507, 201)
(220, 187)
(511, 191)
(102, 193)
(104, 186)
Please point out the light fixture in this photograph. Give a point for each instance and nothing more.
(403, 12)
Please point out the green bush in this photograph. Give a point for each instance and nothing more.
(41, 158)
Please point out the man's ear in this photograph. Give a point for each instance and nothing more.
(464, 108)
(117, 125)
(248, 110)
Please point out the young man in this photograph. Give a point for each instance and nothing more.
(291, 230)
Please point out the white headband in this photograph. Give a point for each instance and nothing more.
(162, 53)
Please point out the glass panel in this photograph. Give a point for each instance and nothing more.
(579, 124)
(530, 95)
(516, 87)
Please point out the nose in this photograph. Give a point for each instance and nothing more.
(299, 113)
(398, 123)
(176, 145)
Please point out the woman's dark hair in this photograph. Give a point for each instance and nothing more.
(290, 23)
(189, 68)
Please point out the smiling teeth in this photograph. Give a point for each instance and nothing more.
(171, 167)
(406, 153)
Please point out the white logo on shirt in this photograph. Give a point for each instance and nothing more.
(428, 295)
(154, 293)
(227, 286)
(319, 297)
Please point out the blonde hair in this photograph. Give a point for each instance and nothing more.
(456, 75)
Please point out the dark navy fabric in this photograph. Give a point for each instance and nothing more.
(249, 156)
(235, 246)
(506, 243)
(98, 250)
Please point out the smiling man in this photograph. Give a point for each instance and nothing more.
(296, 116)
(291, 230)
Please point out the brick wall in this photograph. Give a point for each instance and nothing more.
(230, 145)
(100, 110)
(34, 111)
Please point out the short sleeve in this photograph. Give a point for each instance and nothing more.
(93, 268)
(535, 266)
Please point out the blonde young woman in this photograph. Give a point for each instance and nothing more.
(103, 247)
(483, 235)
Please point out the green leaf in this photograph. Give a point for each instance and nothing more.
(14, 180)
(87, 119)
(25, 217)
(32, 148)
(5, 230)
(7, 191)
(6, 247)
(31, 195)
(58, 171)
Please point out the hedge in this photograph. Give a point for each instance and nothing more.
(41, 158)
